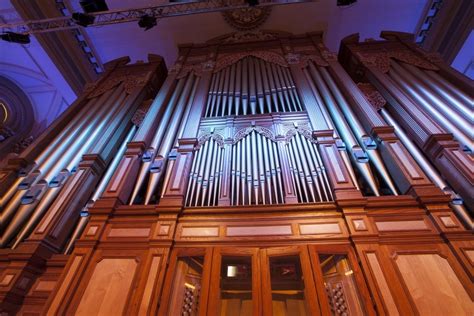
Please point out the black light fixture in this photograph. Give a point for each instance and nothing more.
(15, 37)
(147, 22)
(252, 3)
(90, 6)
(343, 3)
(83, 19)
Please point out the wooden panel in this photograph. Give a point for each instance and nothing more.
(433, 285)
(401, 225)
(200, 232)
(129, 232)
(258, 230)
(323, 228)
(58, 298)
(382, 284)
(108, 288)
(152, 275)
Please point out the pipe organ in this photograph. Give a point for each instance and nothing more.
(260, 175)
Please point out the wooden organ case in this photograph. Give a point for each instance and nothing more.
(261, 181)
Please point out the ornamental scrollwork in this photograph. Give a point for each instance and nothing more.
(204, 138)
(381, 60)
(267, 56)
(259, 129)
(130, 83)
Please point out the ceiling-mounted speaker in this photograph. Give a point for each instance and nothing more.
(90, 6)
(343, 3)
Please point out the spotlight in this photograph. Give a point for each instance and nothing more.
(147, 22)
(252, 3)
(90, 6)
(83, 19)
(16, 37)
(343, 3)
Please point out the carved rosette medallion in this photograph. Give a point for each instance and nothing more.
(246, 19)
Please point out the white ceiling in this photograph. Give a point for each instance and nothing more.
(367, 17)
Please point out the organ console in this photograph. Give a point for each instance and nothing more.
(259, 175)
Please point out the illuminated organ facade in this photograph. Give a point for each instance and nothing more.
(259, 175)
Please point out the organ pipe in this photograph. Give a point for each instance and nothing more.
(49, 165)
(366, 141)
(430, 171)
(357, 153)
(33, 211)
(429, 95)
(84, 215)
(447, 87)
(158, 165)
(399, 76)
(252, 86)
(149, 155)
(460, 104)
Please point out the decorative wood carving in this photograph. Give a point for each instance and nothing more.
(247, 18)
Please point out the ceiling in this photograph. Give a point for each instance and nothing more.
(367, 17)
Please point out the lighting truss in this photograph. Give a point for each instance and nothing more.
(129, 15)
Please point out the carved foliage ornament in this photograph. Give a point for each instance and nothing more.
(304, 131)
(259, 129)
(251, 36)
(130, 83)
(245, 19)
(267, 56)
(381, 60)
(204, 138)
(372, 95)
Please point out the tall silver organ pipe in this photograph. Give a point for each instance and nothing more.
(457, 100)
(366, 141)
(255, 171)
(150, 153)
(252, 86)
(50, 162)
(84, 216)
(327, 118)
(309, 175)
(158, 166)
(357, 154)
(33, 206)
(399, 75)
(431, 96)
(459, 95)
(430, 171)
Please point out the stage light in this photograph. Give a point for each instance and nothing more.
(83, 19)
(343, 3)
(90, 6)
(252, 3)
(16, 37)
(147, 22)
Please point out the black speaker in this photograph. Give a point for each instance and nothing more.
(90, 6)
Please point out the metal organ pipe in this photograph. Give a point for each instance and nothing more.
(366, 141)
(411, 73)
(35, 210)
(428, 169)
(49, 165)
(464, 102)
(461, 105)
(84, 218)
(398, 75)
(149, 155)
(159, 163)
(358, 154)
